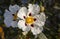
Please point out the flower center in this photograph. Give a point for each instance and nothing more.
(29, 20)
(14, 16)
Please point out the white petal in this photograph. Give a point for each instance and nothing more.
(7, 14)
(8, 22)
(21, 25)
(14, 23)
(30, 5)
(22, 12)
(34, 9)
(36, 30)
(26, 29)
(14, 8)
(30, 9)
(40, 19)
(39, 23)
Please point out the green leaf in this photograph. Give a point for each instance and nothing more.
(42, 36)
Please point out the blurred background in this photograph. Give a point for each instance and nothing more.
(52, 11)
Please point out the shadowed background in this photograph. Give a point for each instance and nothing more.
(52, 11)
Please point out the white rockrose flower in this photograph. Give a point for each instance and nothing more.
(31, 19)
(10, 16)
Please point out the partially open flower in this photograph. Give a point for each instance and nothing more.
(31, 20)
(10, 16)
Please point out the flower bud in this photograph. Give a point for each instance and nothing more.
(42, 8)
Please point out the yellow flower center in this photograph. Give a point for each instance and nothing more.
(14, 16)
(29, 20)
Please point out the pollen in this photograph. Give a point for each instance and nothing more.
(29, 20)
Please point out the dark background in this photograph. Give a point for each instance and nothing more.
(52, 25)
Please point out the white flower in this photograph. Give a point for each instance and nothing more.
(31, 20)
(34, 9)
(10, 15)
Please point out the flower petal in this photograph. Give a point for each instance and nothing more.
(34, 9)
(21, 25)
(7, 14)
(14, 23)
(22, 12)
(14, 8)
(36, 30)
(8, 22)
(40, 19)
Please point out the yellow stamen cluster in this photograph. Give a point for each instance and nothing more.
(29, 20)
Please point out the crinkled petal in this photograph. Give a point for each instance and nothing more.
(7, 14)
(34, 9)
(30, 9)
(30, 6)
(21, 25)
(7, 22)
(26, 29)
(22, 12)
(36, 30)
(14, 8)
(14, 23)
(40, 19)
